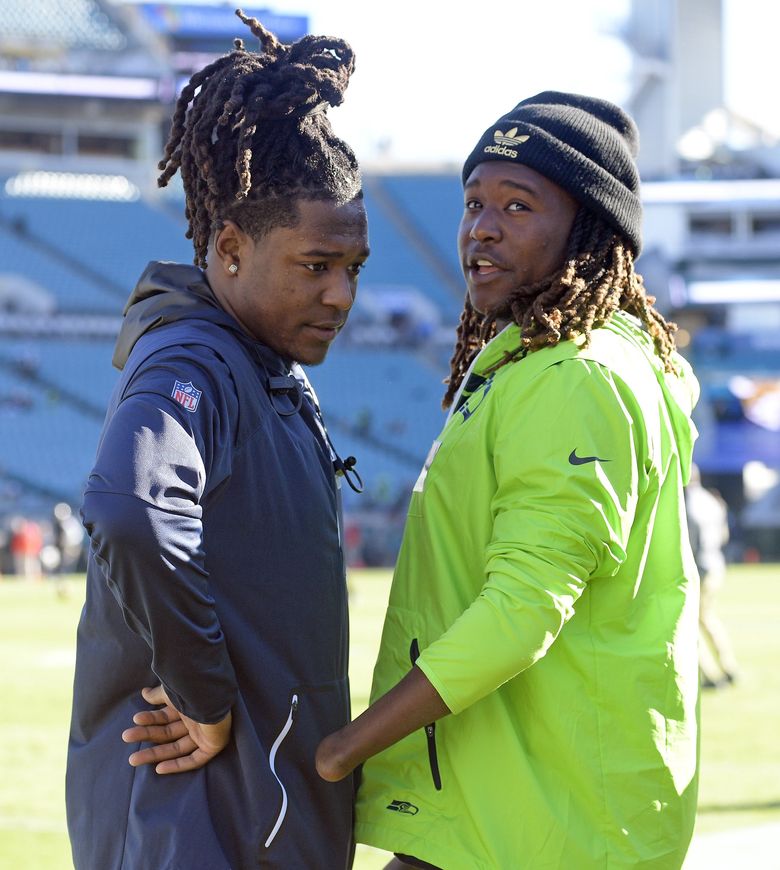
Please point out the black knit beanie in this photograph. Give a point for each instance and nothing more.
(585, 145)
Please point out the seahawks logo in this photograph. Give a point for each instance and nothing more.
(482, 384)
(403, 807)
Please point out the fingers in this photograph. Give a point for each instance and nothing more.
(166, 732)
(155, 695)
(163, 726)
(178, 757)
(156, 726)
(156, 717)
(196, 759)
(163, 752)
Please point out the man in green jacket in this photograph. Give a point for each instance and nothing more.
(535, 698)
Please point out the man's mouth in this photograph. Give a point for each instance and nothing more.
(327, 331)
(481, 265)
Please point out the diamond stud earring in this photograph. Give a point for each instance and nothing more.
(233, 269)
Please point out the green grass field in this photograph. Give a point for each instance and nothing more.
(740, 783)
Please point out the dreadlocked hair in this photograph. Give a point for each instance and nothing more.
(596, 279)
(250, 136)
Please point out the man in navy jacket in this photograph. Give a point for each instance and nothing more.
(216, 581)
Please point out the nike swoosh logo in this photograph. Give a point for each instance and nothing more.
(582, 460)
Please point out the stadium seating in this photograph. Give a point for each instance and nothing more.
(78, 367)
(69, 290)
(46, 443)
(101, 246)
(383, 406)
(731, 351)
(434, 204)
(401, 254)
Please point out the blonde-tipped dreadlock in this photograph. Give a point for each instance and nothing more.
(250, 136)
(596, 279)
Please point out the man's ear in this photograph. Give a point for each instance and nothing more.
(229, 244)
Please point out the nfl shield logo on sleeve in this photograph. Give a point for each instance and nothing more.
(186, 395)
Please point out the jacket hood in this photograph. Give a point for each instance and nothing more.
(680, 390)
(167, 293)
(682, 394)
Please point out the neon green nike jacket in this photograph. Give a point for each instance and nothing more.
(546, 588)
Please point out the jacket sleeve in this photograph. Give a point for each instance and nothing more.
(143, 508)
(568, 468)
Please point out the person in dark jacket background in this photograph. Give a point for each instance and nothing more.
(216, 582)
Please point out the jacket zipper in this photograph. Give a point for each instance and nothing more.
(430, 730)
(272, 762)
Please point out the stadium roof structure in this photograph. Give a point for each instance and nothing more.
(62, 24)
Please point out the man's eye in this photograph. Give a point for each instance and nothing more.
(472, 204)
(357, 268)
(316, 267)
(517, 206)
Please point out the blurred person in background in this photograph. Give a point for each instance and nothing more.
(66, 547)
(26, 545)
(5, 552)
(216, 580)
(535, 698)
(708, 526)
(68, 538)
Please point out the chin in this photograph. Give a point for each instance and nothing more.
(479, 302)
(483, 301)
(311, 357)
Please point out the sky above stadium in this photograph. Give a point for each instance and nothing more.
(432, 75)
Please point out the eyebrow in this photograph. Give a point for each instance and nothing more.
(331, 255)
(507, 182)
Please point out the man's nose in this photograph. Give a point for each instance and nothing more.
(485, 226)
(340, 293)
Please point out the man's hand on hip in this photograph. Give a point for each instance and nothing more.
(181, 743)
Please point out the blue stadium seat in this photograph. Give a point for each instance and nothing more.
(77, 366)
(384, 407)
(435, 204)
(44, 440)
(71, 291)
(114, 240)
(394, 260)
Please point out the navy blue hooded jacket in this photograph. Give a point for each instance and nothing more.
(216, 569)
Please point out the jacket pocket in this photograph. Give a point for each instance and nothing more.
(312, 817)
(430, 730)
(272, 764)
